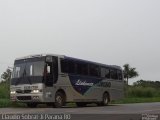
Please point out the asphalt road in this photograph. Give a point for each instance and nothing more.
(113, 112)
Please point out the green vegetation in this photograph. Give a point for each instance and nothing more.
(141, 91)
(145, 89)
(137, 100)
(7, 103)
(4, 102)
(4, 96)
(129, 72)
(4, 90)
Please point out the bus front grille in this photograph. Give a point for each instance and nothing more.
(23, 91)
(24, 98)
(27, 91)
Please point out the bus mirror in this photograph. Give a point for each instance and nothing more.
(49, 59)
(48, 69)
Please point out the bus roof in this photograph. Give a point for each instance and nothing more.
(36, 55)
(69, 58)
(96, 63)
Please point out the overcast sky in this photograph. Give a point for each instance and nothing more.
(105, 31)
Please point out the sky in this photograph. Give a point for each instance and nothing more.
(113, 32)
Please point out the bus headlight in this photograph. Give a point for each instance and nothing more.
(13, 92)
(35, 91)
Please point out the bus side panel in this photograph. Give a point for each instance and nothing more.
(78, 93)
(82, 93)
(116, 90)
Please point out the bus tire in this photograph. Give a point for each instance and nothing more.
(32, 105)
(59, 99)
(80, 104)
(106, 100)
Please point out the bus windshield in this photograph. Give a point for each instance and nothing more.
(28, 69)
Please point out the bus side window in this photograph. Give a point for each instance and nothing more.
(119, 74)
(103, 71)
(71, 66)
(84, 69)
(94, 70)
(81, 68)
(114, 74)
(67, 66)
(64, 66)
(107, 74)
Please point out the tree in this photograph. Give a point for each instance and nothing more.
(5, 84)
(6, 76)
(129, 72)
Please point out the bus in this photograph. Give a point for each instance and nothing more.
(58, 79)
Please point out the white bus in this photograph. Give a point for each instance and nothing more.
(58, 79)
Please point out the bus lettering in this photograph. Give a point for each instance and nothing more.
(84, 83)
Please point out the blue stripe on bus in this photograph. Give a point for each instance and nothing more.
(82, 83)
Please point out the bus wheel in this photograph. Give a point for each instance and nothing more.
(32, 105)
(105, 99)
(59, 100)
(81, 104)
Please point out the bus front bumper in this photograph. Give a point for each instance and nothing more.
(27, 97)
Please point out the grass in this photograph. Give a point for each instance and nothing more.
(4, 90)
(139, 94)
(137, 100)
(145, 92)
(7, 103)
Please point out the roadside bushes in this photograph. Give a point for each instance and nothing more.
(4, 90)
(133, 91)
